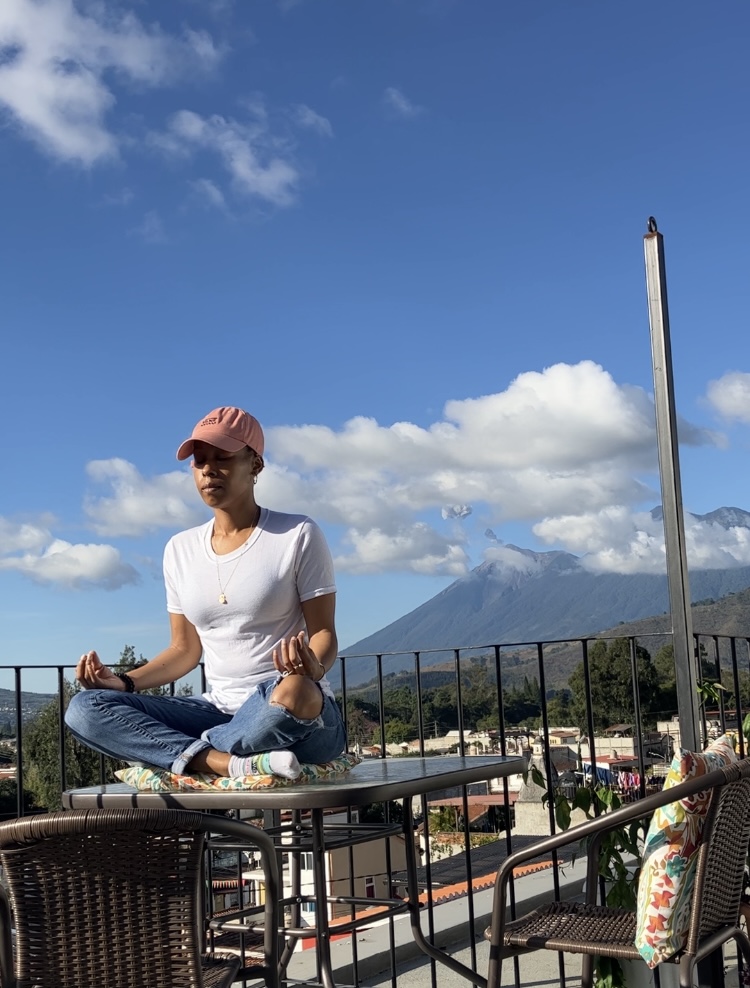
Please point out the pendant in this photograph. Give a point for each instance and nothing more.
(222, 598)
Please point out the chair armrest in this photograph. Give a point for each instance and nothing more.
(248, 835)
(7, 967)
(595, 828)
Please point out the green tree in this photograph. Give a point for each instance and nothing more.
(41, 756)
(391, 812)
(664, 666)
(443, 820)
(744, 680)
(440, 707)
(41, 746)
(361, 727)
(479, 696)
(9, 799)
(667, 682)
(128, 662)
(559, 709)
(401, 704)
(523, 704)
(612, 684)
(397, 731)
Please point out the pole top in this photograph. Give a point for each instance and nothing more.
(652, 227)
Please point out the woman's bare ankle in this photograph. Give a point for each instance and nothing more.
(210, 760)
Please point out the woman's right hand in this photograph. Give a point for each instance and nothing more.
(92, 674)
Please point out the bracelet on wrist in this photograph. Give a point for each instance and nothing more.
(127, 681)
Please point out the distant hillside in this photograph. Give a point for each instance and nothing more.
(31, 704)
(526, 596)
(728, 616)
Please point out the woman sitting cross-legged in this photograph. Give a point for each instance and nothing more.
(252, 591)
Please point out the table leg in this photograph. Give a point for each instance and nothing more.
(290, 943)
(323, 936)
(414, 911)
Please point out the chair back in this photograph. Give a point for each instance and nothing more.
(722, 858)
(106, 897)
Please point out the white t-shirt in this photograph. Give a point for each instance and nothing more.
(285, 561)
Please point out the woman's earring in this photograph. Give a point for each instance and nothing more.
(255, 478)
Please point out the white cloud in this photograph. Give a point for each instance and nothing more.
(414, 549)
(567, 439)
(510, 559)
(30, 548)
(22, 537)
(730, 396)
(559, 419)
(455, 511)
(74, 566)
(595, 531)
(305, 116)
(122, 198)
(400, 105)
(209, 192)
(258, 163)
(139, 505)
(569, 435)
(57, 58)
(151, 228)
(616, 540)
(217, 8)
(200, 46)
(567, 425)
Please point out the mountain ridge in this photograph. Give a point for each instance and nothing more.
(520, 596)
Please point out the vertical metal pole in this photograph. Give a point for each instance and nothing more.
(686, 672)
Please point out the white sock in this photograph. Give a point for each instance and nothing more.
(282, 763)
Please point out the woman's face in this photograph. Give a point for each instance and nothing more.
(224, 478)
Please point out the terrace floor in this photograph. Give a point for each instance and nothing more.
(452, 933)
(536, 970)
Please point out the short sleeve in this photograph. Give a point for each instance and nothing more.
(314, 571)
(170, 572)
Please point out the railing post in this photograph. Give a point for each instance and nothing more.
(710, 970)
(19, 742)
(671, 492)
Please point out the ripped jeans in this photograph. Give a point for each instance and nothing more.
(169, 731)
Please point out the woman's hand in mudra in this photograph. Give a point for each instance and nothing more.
(294, 657)
(92, 674)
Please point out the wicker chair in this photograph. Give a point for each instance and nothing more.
(594, 930)
(115, 898)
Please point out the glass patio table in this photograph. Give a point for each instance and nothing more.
(372, 781)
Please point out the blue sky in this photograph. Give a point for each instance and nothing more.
(407, 235)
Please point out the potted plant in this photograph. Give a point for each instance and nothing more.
(619, 859)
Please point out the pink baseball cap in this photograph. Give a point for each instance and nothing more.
(227, 428)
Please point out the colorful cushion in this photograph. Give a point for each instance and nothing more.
(151, 779)
(670, 853)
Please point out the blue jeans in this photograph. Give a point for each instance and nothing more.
(169, 731)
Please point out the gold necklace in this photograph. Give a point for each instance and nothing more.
(222, 589)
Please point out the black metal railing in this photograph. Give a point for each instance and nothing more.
(441, 690)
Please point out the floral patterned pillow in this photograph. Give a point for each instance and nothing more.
(150, 779)
(669, 856)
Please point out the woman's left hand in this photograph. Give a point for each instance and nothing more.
(294, 657)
